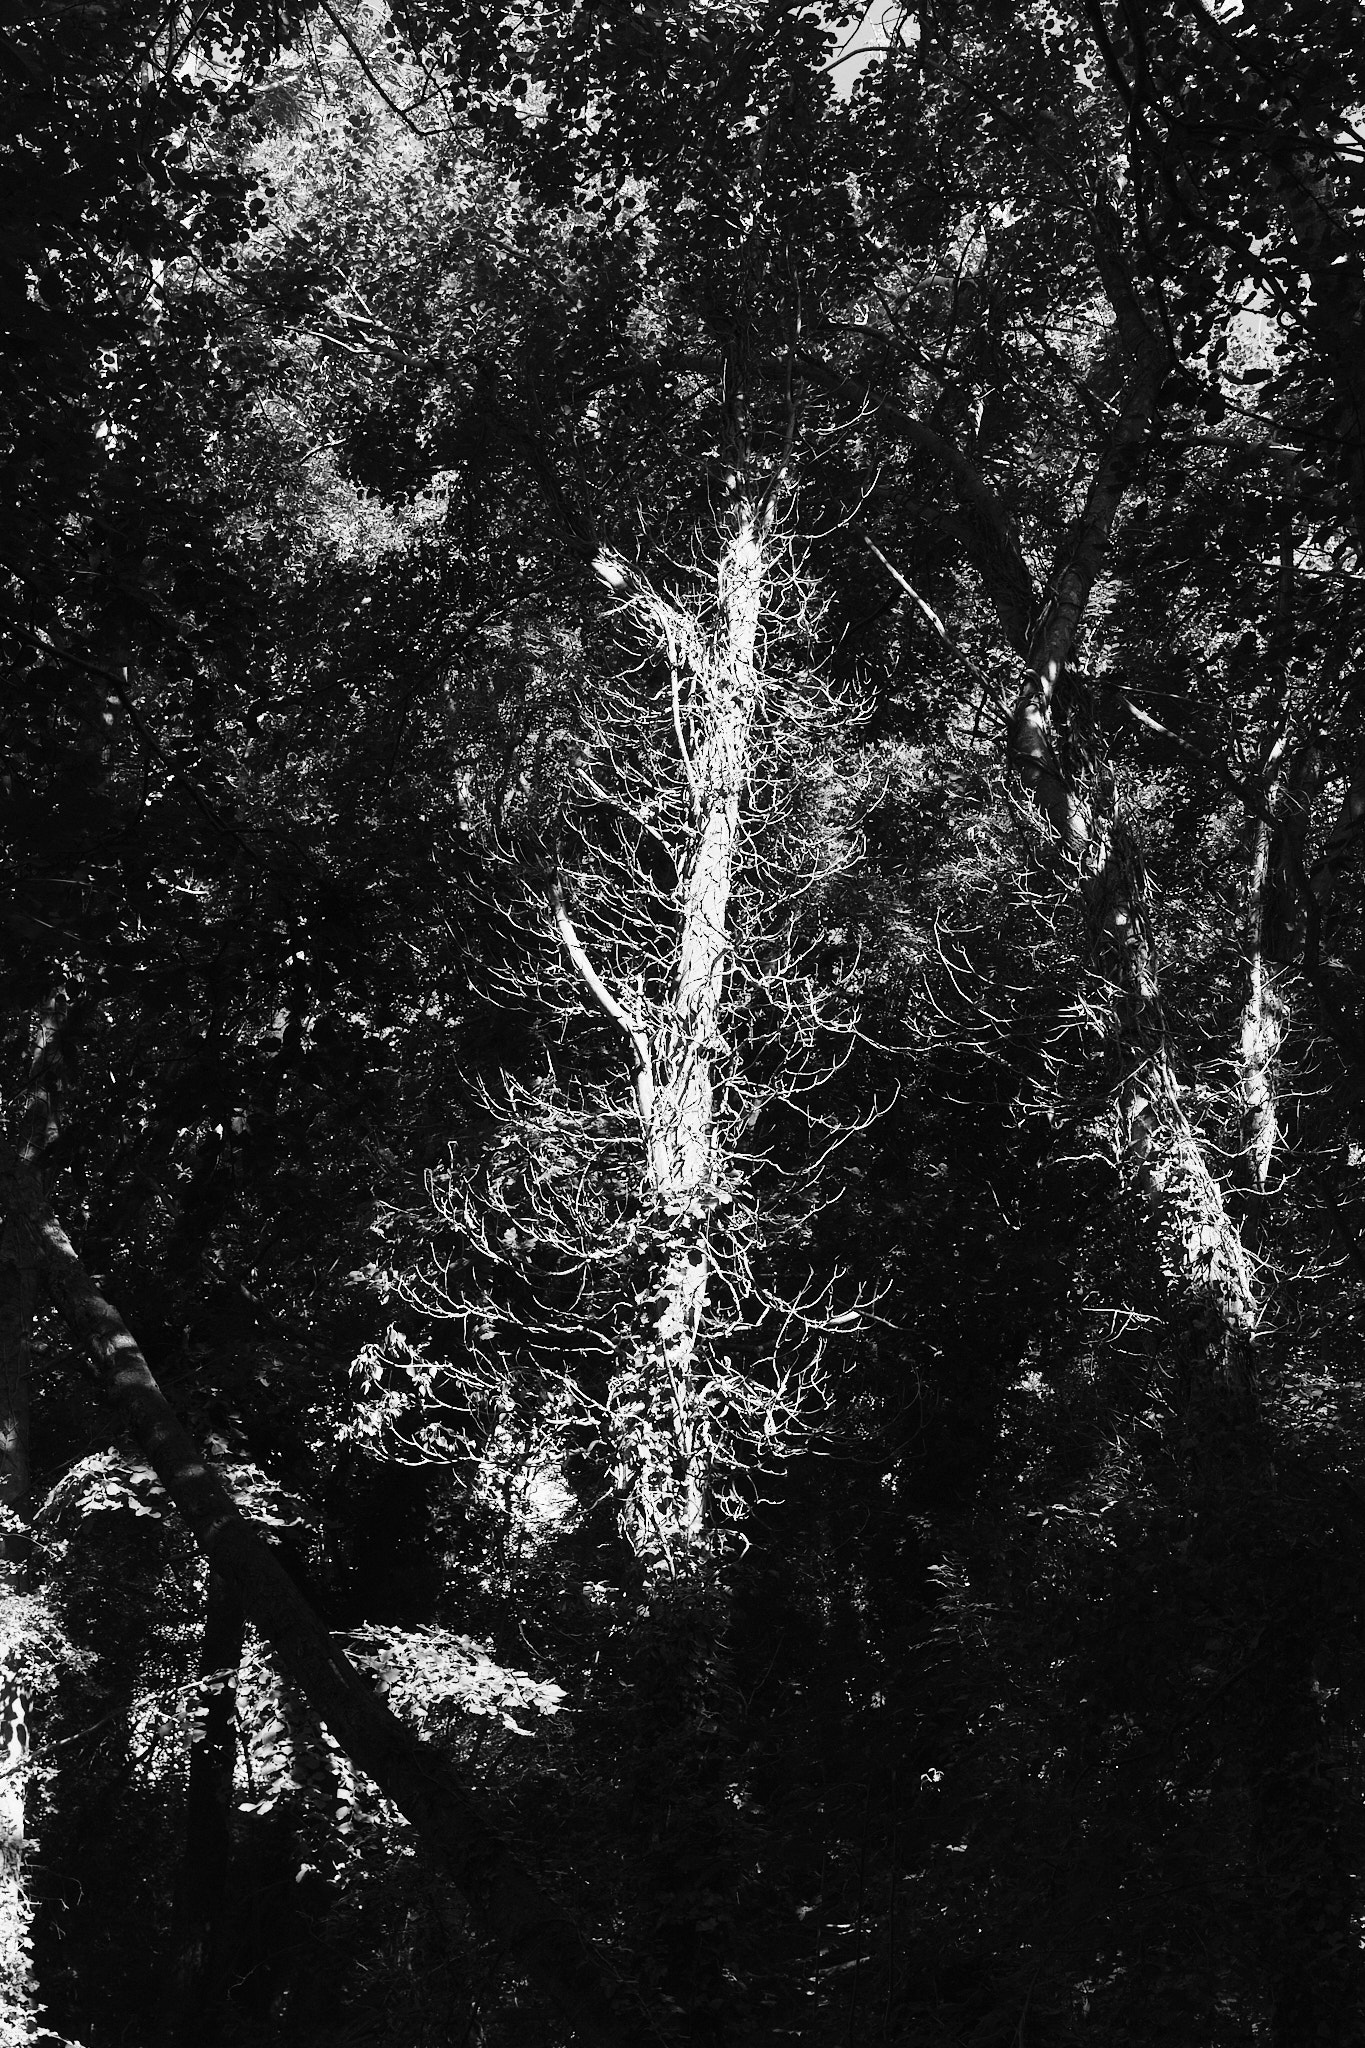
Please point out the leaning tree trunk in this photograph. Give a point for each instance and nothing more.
(1155, 1147)
(1200, 1251)
(1262, 1028)
(1283, 806)
(533, 1936)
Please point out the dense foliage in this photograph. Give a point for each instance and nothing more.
(683, 793)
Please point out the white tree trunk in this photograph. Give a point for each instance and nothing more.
(662, 1425)
(1262, 1027)
(1156, 1150)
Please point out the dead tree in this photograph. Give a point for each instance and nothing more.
(611, 1247)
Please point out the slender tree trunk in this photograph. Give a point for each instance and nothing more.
(1157, 1152)
(18, 1299)
(1155, 1147)
(1273, 910)
(1313, 902)
(194, 2006)
(1034, 747)
(1262, 1027)
(38, 1128)
(534, 1936)
(1198, 1245)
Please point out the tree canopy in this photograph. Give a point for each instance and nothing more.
(683, 1028)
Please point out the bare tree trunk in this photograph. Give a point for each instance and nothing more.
(1198, 1245)
(662, 1429)
(194, 2005)
(1262, 1026)
(1156, 1150)
(1272, 884)
(1155, 1147)
(655, 957)
(534, 1936)
(658, 1402)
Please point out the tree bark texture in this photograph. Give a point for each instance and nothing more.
(662, 1427)
(1262, 1026)
(1275, 911)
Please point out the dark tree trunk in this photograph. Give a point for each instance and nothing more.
(194, 2007)
(533, 1935)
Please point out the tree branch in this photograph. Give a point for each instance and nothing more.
(989, 537)
(606, 1002)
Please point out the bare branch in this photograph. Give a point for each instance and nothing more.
(602, 995)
